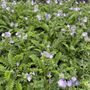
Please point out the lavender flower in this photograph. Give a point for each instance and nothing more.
(48, 1)
(69, 83)
(32, 2)
(28, 76)
(47, 16)
(76, 83)
(75, 9)
(46, 54)
(3, 4)
(85, 34)
(62, 83)
(6, 34)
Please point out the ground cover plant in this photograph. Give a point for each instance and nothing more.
(44, 45)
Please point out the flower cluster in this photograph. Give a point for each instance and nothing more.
(63, 83)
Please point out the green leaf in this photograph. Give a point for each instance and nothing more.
(7, 75)
(18, 86)
(10, 84)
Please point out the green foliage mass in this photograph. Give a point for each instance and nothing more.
(22, 63)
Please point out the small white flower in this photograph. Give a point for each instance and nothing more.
(14, 3)
(63, 30)
(28, 76)
(17, 64)
(73, 28)
(68, 26)
(8, 8)
(48, 46)
(36, 8)
(39, 17)
(3, 34)
(84, 34)
(85, 19)
(18, 34)
(26, 18)
(16, 25)
(25, 37)
(12, 24)
(11, 41)
(12, 11)
(49, 74)
(56, 1)
(72, 33)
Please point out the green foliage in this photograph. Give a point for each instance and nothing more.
(42, 43)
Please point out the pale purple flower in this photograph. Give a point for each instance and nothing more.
(47, 16)
(32, 2)
(6, 34)
(48, 1)
(75, 9)
(76, 83)
(69, 83)
(62, 83)
(47, 54)
(4, 4)
(28, 76)
(85, 34)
